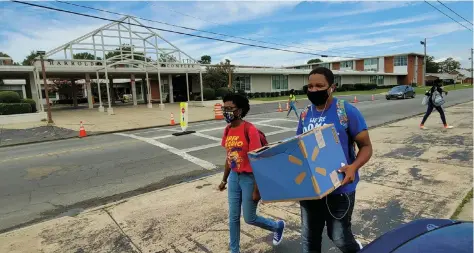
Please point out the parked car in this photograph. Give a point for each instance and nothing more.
(401, 91)
(425, 235)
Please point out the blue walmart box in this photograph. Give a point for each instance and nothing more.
(299, 168)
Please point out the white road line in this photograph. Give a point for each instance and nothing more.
(205, 164)
(267, 125)
(161, 137)
(207, 136)
(212, 145)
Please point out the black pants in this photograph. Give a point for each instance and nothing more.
(315, 215)
(430, 109)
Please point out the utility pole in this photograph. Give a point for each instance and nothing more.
(424, 63)
(46, 87)
(472, 69)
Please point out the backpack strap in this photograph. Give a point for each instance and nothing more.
(344, 121)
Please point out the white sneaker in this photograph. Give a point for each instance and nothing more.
(360, 244)
(448, 127)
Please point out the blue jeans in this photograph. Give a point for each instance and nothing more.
(240, 189)
(315, 215)
(292, 107)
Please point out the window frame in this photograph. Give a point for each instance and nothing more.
(279, 79)
(247, 81)
(400, 61)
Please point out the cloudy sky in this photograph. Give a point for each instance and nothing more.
(337, 29)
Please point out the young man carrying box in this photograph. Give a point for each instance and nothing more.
(334, 210)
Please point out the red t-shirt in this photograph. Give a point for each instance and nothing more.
(237, 146)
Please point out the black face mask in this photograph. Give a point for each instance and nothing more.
(318, 97)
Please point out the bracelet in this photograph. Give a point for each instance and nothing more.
(224, 182)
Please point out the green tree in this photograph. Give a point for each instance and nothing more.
(2, 54)
(431, 65)
(449, 65)
(29, 60)
(217, 76)
(126, 49)
(205, 59)
(314, 61)
(85, 56)
(167, 58)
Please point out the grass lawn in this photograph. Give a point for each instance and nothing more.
(418, 90)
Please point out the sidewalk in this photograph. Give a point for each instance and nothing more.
(413, 174)
(66, 122)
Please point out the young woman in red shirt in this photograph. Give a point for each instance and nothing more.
(239, 138)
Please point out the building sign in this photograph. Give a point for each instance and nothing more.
(86, 63)
(183, 119)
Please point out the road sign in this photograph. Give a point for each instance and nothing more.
(184, 116)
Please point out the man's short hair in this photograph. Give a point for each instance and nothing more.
(327, 73)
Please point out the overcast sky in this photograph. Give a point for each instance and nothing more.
(339, 29)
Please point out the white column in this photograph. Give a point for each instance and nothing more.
(89, 91)
(187, 85)
(40, 94)
(23, 91)
(101, 107)
(110, 110)
(170, 85)
(200, 81)
(143, 91)
(162, 105)
(149, 105)
(134, 89)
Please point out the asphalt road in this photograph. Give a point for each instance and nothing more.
(51, 179)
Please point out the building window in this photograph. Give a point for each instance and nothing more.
(400, 60)
(279, 82)
(242, 82)
(368, 62)
(337, 81)
(325, 65)
(346, 64)
(373, 79)
(380, 80)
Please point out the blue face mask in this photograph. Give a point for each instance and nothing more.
(229, 116)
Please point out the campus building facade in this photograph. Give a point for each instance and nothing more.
(140, 62)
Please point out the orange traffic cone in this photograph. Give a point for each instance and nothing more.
(287, 106)
(172, 120)
(82, 131)
(279, 107)
(373, 99)
(355, 100)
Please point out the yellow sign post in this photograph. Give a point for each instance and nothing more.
(183, 119)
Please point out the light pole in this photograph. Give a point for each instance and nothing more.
(424, 63)
(472, 69)
(46, 87)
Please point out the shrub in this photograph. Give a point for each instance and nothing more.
(242, 92)
(209, 94)
(9, 97)
(268, 94)
(31, 102)
(222, 91)
(14, 108)
(251, 95)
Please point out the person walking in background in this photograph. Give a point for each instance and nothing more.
(239, 138)
(292, 102)
(434, 101)
(334, 210)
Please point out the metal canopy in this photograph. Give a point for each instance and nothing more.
(123, 40)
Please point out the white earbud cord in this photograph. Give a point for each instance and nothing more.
(348, 199)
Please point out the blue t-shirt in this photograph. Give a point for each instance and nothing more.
(356, 124)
